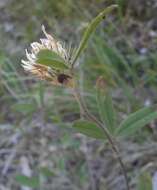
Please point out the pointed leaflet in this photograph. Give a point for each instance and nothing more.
(89, 129)
(90, 29)
(51, 59)
(136, 121)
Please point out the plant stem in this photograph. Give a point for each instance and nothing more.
(85, 112)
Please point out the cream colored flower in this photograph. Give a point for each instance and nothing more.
(53, 75)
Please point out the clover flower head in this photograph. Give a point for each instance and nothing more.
(54, 74)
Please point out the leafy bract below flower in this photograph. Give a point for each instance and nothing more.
(48, 60)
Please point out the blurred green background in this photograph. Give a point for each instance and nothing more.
(35, 135)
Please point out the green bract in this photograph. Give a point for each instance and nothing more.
(52, 59)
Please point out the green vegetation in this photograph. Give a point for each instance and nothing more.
(39, 147)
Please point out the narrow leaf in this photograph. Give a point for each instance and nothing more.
(89, 129)
(32, 182)
(106, 110)
(51, 59)
(90, 29)
(109, 113)
(25, 108)
(45, 171)
(136, 121)
(145, 182)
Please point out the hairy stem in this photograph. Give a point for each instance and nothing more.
(85, 112)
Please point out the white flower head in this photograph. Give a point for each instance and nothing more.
(42, 71)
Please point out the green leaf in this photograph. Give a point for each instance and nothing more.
(46, 172)
(32, 182)
(90, 29)
(136, 121)
(25, 108)
(145, 182)
(106, 109)
(51, 59)
(89, 129)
